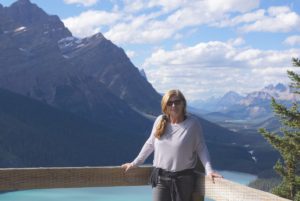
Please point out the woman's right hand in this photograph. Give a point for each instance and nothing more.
(127, 166)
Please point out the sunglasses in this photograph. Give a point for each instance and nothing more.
(175, 102)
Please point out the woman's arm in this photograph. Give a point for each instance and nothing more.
(146, 150)
(203, 154)
(201, 149)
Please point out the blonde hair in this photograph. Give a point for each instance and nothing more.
(161, 126)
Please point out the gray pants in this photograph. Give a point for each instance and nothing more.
(185, 188)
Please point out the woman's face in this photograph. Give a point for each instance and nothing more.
(175, 106)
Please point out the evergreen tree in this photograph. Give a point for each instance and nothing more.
(287, 142)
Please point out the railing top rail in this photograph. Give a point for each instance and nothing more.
(68, 177)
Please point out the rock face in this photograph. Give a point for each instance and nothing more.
(90, 77)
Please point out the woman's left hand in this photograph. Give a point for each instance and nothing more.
(214, 175)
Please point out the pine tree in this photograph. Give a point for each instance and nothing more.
(287, 142)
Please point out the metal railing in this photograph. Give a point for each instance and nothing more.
(67, 177)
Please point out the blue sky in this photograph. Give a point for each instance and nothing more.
(203, 47)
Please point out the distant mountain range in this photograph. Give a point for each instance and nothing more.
(67, 101)
(254, 106)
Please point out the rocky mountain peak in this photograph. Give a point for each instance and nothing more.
(279, 91)
(281, 87)
(23, 2)
(97, 36)
(230, 98)
(278, 87)
(259, 95)
(232, 95)
(269, 87)
(25, 21)
(91, 76)
(26, 12)
(72, 47)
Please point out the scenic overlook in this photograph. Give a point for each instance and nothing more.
(82, 83)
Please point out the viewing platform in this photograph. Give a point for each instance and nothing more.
(74, 177)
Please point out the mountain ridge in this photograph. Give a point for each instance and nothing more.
(256, 104)
(29, 138)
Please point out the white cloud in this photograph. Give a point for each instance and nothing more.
(179, 46)
(230, 5)
(164, 6)
(134, 5)
(274, 19)
(278, 19)
(211, 54)
(167, 5)
(149, 28)
(237, 42)
(210, 68)
(292, 40)
(161, 20)
(142, 29)
(210, 5)
(204, 12)
(260, 58)
(244, 18)
(158, 26)
(89, 22)
(83, 2)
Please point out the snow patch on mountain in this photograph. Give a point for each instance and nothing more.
(279, 92)
(69, 46)
(20, 29)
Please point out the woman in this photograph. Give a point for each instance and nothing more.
(177, 142)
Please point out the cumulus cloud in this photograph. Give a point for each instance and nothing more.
(244, 18)
(90, 22)
(214, 53)
(292, 40)
(162, 20)
(175, 16)
(141, 21)
(207, 67)
(164, 6)
(274, 19)
(134, 5)
(167, 5)
(277, 19)
(83, 2)
(141, 29)
(209, 5)
(237, 42)
(230, 5)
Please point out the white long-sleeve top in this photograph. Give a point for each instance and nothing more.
(178, 148)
